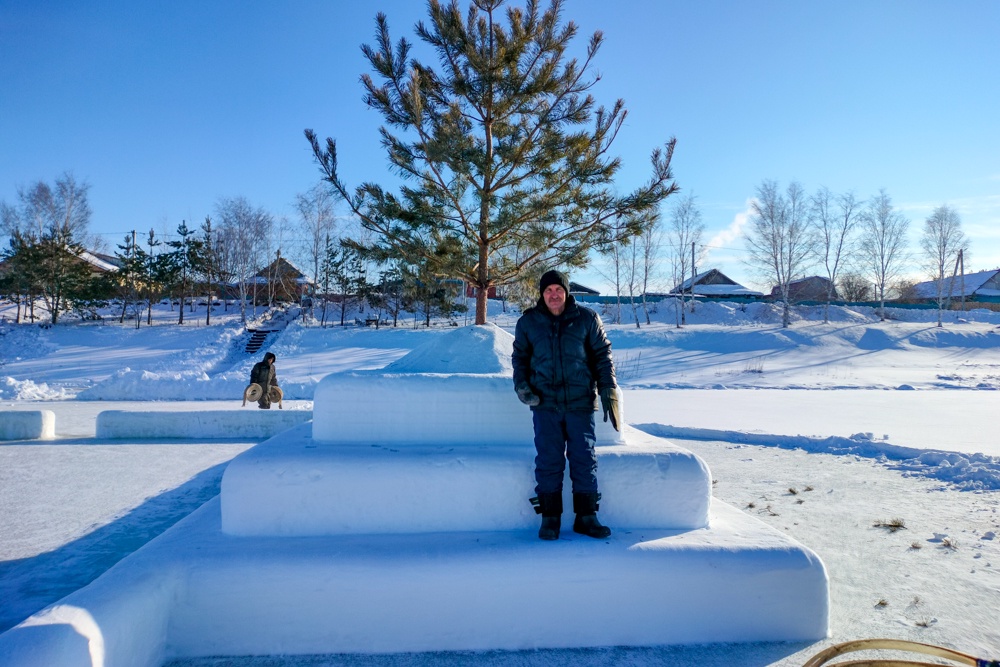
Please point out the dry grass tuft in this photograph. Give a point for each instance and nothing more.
(892, 525)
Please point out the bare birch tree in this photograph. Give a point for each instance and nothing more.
(316, 222)
(942, 241)
(650, 243)
(836, 219)
(49, 227)
(632, 273)
(612, 270)
(882, 244)
(780, 241)
(684, 233)
(244, 231)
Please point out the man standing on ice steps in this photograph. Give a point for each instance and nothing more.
(562, 361)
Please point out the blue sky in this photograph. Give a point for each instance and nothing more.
(165, 107)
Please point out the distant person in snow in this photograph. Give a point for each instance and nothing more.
(562, 360)
(265, 374)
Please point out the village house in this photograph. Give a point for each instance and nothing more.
(280, 282)
(813, 288)
(714, 284)
(979, 287)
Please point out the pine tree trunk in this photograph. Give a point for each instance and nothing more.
(481, 295)
(483, 277)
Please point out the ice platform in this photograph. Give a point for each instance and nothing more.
(196, 591)
(27, 425)
(410, 530)
(294, 485)
(247, 424)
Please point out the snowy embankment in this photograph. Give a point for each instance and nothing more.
(182, 386)
(964, 471)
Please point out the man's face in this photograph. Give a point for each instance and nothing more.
(555, 299)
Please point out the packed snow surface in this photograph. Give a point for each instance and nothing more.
(870, 442)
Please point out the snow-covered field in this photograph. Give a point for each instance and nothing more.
(821, 430)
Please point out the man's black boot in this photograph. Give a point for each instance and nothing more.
(586, 523)
(550, 506)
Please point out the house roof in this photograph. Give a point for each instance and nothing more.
(810, 285)
(98, 261)
(577, 288)
(725, 290)
(982, 283)
(718, 276)
(714, 283)
(809, 279)
(281, 267)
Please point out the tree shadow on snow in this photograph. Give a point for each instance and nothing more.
(28, 585)
(708, 655)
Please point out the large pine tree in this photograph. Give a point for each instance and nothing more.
(504, 153)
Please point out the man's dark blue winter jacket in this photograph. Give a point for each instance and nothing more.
(565, 359)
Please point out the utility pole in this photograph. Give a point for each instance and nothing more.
(132, 288)
(692, 276)
(961, 261)
(959, 267)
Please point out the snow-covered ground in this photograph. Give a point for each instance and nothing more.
(822, 430)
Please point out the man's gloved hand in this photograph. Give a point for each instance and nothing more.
(526, 396)
(609, 403)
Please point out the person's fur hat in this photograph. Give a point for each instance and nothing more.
(553, 277)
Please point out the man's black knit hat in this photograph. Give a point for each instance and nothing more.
(553, 278)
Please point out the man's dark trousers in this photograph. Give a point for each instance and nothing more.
(560, 436)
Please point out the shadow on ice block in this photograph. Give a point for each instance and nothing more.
(399, 521)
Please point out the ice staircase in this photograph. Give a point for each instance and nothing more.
(411, 531)
(257, 339)
(277, 322)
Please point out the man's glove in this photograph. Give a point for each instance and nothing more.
(526, 396)
(609, 403)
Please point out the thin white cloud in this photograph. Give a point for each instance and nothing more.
(728, 236)
(983, 206)
(725, 251)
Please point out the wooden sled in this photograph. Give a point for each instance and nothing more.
(252, 393)
(828, 654)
